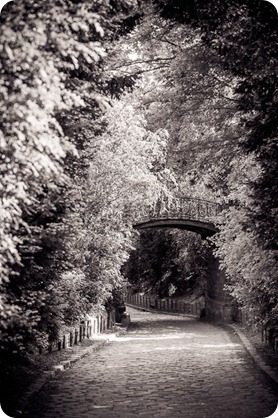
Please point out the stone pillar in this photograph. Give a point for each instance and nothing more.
(219, 305)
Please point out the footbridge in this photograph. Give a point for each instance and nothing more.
(188, 213)
(198, 216)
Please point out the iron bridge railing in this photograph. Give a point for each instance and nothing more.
(181, 208)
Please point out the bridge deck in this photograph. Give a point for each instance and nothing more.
(200, 227)
(182, 212)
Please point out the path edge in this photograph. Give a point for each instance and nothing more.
(251, 350)
(249, 347)
(46, 376)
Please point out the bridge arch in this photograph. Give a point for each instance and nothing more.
(188, 213)
(197, 216)
(203, 228)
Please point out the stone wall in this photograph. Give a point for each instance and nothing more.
(219, 304)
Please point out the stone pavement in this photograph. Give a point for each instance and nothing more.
(166, 366)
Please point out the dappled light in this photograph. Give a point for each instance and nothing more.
(138, 164)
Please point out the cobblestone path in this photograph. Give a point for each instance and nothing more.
(165, 366)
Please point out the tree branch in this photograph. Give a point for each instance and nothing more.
(158, 59)
(144, 71)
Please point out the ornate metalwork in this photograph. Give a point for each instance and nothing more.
(181, 208)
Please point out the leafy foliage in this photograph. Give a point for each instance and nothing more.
(251, 270)
(120, 180)
(208, 76)
(50, 70)
(104, 107)
(168, 263)
(244, 35)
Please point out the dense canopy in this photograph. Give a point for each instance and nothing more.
(106, 107)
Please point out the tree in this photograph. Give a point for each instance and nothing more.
(212, 65)
(244, 35)
(193, 98)
(120, 185)
(168, 263)
(50, 70)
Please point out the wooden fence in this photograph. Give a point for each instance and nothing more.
(167, 304)
(269, 336)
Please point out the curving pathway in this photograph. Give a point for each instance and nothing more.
(165, 366)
